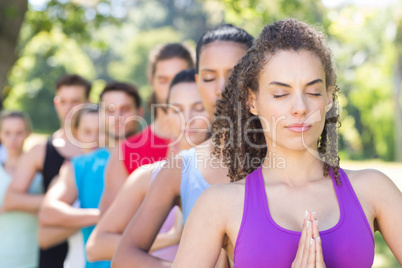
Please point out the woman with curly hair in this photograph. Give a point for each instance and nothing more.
(183, 179)
(290, 204)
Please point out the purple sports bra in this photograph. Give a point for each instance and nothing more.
(263, 243)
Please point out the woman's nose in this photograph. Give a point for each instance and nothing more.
(300, 106)
(221, 86)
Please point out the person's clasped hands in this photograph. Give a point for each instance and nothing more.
(309, 251)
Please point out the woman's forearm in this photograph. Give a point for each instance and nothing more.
(171, 237)
(22, 201)
(64, 215)
(51, 236)
(135, 257)
(166, 239)
(102, 246)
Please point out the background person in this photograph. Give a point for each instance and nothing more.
(47, 158)
(83, 177)
(189, 174)
(86, 131)
(151, 144)
(189, 122)
(18, 230)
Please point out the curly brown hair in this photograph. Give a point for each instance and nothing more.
(230, 131)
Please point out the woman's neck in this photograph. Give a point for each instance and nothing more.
(292, 167)
(160, 127)
(206, 151)
(59, 134)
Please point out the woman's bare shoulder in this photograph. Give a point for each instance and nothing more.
(141, 176)
(225, 195)
(372, 177)
(372, 184)
(147, 170)
(169, 176)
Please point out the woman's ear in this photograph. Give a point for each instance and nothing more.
(330, 99)
(251, 103)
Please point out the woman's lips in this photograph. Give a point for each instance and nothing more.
(298, 128)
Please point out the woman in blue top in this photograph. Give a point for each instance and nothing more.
(18, 230)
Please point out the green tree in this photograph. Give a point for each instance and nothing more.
(20, 22)
(134, 62)
(11, 17)
(46, 57)
(368, 60)
(365, 55)
(253, 15)
(398, 83)
(113, 37)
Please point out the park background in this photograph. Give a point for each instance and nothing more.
(106, 40)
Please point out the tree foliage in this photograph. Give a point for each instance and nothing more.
(365, 45)
(11, 18)
(62, 37)
(110, 40)
(46, 57)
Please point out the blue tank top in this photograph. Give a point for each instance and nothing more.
(89, 171)
(192, 182)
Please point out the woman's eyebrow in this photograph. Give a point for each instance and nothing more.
(279, 84)
(175, 104)
(316, 81)
(208, 70)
